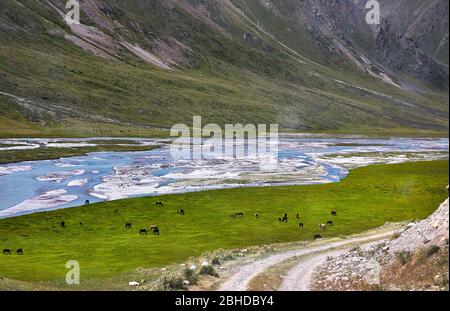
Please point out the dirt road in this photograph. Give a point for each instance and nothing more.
(298, 277)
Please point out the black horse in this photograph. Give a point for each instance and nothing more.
(6, 251)
(62, 224)
(156, 231)
(301, 225)
(143, 231)
(87, 202)
(180, 211)
(334, 213)
(285, 218)
(317, 236)
(159, 203)
(128, 225)
(330, 223)
(19, 251)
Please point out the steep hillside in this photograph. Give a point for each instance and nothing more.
(308, 65)
(415, 259)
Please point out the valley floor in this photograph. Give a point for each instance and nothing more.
(111, 255)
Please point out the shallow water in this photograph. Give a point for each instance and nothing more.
(43, 185)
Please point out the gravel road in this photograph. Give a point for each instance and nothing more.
(242, 275)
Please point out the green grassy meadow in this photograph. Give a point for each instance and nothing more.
(367, 198)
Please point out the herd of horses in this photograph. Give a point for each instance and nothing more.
(155, 230)
(7, 251)
(285, 219)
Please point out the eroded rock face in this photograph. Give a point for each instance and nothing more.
(415, 260)
(431, 231)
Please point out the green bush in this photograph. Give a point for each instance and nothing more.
(430, 251)
(209, 270)
(170, 281)
(190, 275)
(403, 257)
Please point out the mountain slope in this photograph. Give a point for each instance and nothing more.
(309, 65)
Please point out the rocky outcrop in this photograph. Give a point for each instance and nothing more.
(415, 259)
(431, 231)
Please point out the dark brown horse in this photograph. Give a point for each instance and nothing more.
(156, 231)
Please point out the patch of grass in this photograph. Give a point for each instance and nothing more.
(403, 257)
(11, 156)
(369, 197)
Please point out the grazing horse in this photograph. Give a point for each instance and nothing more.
(19, 251)
(180, 211)
(279, 219)
(256, 215)
(128, 226)
(330, 223)
(334, 213)
(317, 236)
(143, 231)
(116, 210)
(298, 216)
(6, 251)
(285, 218)
(87, 202)
(159, 203)
(322, 226)
(155, 231)
(301, 225)
(236, 215)
(62, 224)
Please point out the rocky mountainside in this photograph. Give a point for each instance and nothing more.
(307, 65)
(416, 259)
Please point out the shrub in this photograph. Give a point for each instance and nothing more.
(403, 257)
(209, 270)
(430, 251)
(170, 281)
(190, 275)
(215, 261)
